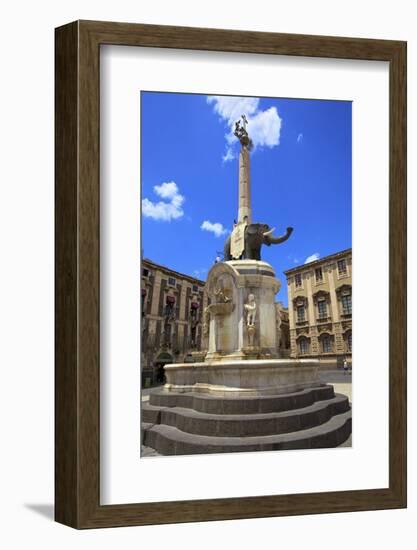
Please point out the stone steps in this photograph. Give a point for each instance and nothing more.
(245, 425)
(169, 440)
(232, 404)
(175, 423)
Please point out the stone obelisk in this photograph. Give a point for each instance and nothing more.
(237, 241)
(245, 207)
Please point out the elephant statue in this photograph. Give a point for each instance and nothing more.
(256, 234)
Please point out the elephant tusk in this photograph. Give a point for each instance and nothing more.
(267, 233)
(281, 239)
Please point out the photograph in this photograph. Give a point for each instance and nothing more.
(246, 273)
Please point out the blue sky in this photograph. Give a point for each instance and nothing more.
(301, 172)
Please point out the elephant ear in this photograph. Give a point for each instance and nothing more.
(252, 229)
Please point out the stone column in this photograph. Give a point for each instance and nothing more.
(245, 208)
(333, 296)
(291, 317)
(156, 294)
(183, 302)
(337, 325)
(313, 332)
(311, 310)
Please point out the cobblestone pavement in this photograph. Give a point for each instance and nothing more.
(341, 381)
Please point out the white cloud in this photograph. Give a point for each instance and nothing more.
(312, 258)
(216, 228)
(200, 272)
(231, 108)
(264, 127)
(168, 210)
(229, 155)
(167, 190)
(300, 138)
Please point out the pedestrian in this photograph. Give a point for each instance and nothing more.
(345, 366)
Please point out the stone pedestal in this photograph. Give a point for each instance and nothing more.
(232, 285)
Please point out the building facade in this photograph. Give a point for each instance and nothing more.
(320, 309)
(172, 306)
(283, 330)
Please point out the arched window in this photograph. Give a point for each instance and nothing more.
(322, 309)
(322, 301)
(301, 314)
(344, 295)
(194, 310)
(170, 307)
(303, 345)
(347, 304)
(326, 343)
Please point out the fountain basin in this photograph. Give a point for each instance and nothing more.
(248, 377)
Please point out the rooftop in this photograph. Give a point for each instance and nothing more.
(309, 265)
(172, 273)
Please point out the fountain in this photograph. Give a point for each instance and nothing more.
(244, 396)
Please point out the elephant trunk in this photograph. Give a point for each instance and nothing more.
(269, 239)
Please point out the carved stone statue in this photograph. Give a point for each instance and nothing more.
(206, 320)
(221, 296)
(255, 235)
(250, 308)
(242, 134)
(221, 306)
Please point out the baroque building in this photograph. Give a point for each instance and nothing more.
(320, 309)
(172, 306)
(283, 330)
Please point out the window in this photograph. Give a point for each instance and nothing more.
(170, 307)
(319, 274)
(303, 346)
(193, 337)
(167, 334)
(171, 281)
(298, 281)
(145, 272)
(326, 343)
(301, 314)
(347, 304)
(322, 308)
(194, 311)
(349, 341)
(341, 267)
(195, 288)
